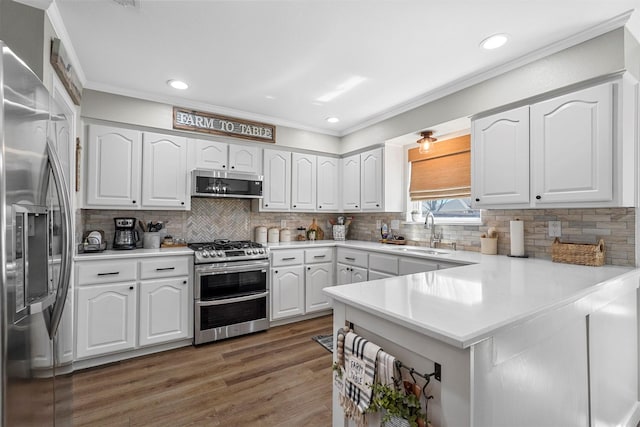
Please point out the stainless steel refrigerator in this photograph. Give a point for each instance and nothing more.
(36, 250)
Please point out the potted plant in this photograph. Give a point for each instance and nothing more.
(398, 408)
(416, 216)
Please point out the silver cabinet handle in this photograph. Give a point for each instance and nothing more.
(319, 256)
(289, 258)
(349, 258)
(165, 268)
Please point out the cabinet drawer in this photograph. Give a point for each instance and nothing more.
(106, 271)
(164, 267)
(280, 258)
(318, 255)
(383, 263)
(351, 257)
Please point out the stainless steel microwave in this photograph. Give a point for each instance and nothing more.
(219, 183)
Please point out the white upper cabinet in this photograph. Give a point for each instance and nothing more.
(351, 182)
(223, 156)
(581, 148)
(371, 179)
(244, 158)
(164, 166)
(303, 183)
(209, 154)
(328, 190)
(572, 147)
(500, 152)
(113, 167)
(276, 189)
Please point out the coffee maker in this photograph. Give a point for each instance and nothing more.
(126, 235)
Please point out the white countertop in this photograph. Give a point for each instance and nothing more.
(464, 305)
(132, 253)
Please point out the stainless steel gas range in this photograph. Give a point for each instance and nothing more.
(231, 289)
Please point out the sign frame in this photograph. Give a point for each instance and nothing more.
(216, 124)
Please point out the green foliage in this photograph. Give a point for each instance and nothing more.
(336, 368)
(395, 403)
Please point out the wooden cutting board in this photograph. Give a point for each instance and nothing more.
(393, 242)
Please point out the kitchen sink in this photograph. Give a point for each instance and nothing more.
(423, 250)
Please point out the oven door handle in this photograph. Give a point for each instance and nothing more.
(232, 300)
(209, 270)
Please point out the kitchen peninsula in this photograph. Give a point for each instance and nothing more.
(519, 341)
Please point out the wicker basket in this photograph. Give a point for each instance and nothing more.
(578, 253)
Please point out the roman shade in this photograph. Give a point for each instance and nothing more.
(444, 172)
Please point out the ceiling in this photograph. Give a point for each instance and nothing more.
(274, 61)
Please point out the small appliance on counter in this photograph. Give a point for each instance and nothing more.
(92, 241)
(126, 236)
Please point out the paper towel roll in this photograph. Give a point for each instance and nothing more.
(517, 238)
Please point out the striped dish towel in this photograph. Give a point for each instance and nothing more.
(386, 368)
(360, 369)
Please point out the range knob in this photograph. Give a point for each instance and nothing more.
(255, 252)
(205, 253)
(260, 251)
(220, 253)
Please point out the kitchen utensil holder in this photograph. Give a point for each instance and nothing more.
(339, 232)
(489, 245)
(578, 253)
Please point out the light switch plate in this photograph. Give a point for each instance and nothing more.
(283, 223)
(395, 224)
(555, 228)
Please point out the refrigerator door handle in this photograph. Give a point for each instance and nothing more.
(67, 243)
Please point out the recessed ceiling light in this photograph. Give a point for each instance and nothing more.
(177, 84)
(494, 41)
(333, 119)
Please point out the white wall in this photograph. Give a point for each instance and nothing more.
(139, 112)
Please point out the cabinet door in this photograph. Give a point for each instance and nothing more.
(317, 277)
(359, 274)
(344, 274)
(209, 154)
(371, 179)
(164, 166)
(500, 158)
(164, 310)
(106, 319)
(287, 292)
(113, 167)
(328, 191)
(244, 158)
(276, 189)
(351, 182)
(374, 275)
(303, 183)
(572, 147)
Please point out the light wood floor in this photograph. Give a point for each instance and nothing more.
(275, 378)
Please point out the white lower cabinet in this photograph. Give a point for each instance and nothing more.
(128, 304)
(415, 265)
(106, 319)
(164, 312)
(350, 274)
(287, 292)
(317, 277)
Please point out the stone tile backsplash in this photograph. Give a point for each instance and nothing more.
(616, 226)
(234, 219)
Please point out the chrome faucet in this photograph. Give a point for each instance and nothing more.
(430, 224)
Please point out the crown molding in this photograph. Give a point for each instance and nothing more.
(478, 77)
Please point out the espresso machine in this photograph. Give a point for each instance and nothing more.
(126, 236)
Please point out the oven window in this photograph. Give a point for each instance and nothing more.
(216, 316)
(234, 284)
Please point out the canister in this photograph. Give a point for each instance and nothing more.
(273, 235)
(261, 234)
(285, 235)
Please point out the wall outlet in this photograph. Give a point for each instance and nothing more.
(283, 223)
(378, 224)
(555, 228)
